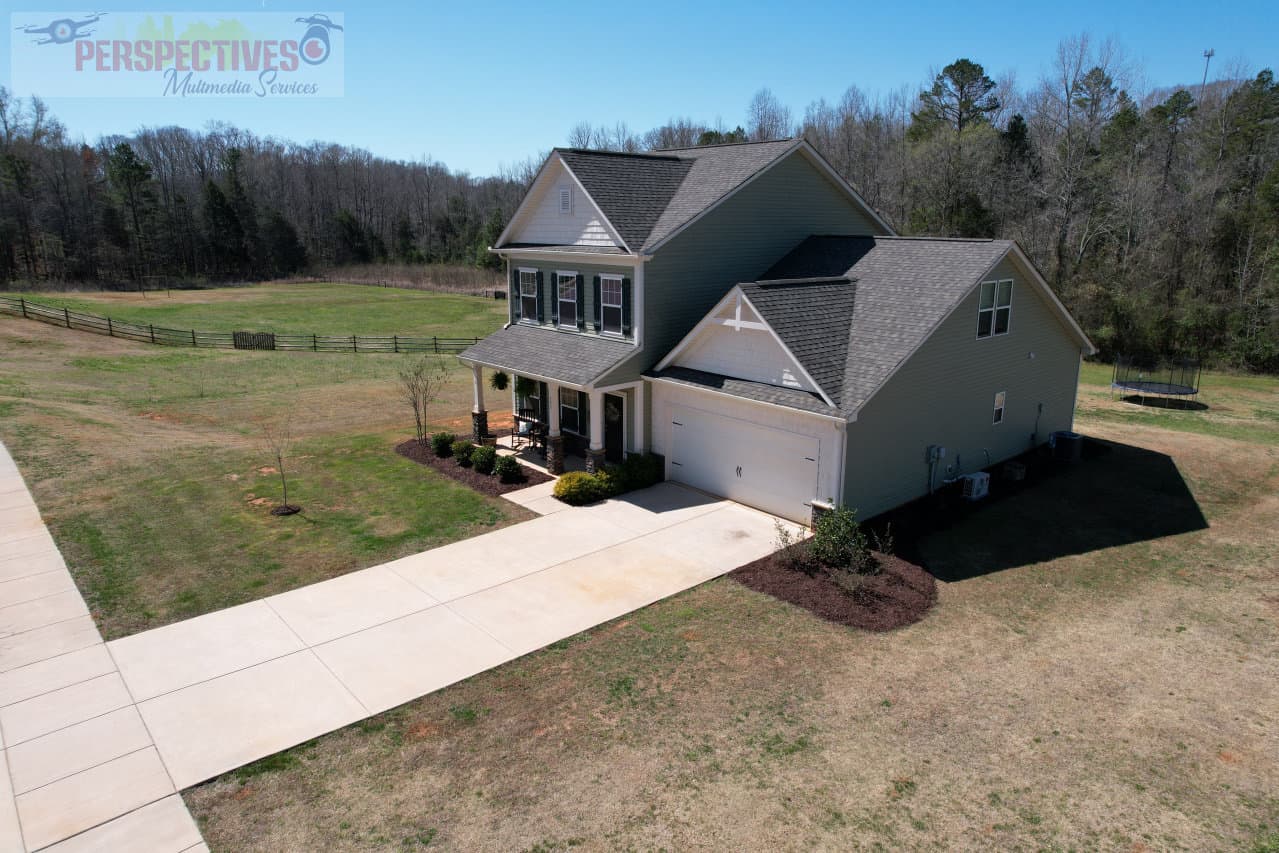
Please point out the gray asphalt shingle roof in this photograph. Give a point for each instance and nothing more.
(881, 297)
(566, 357)
(632, 190)
(716, 171)
(647, 197)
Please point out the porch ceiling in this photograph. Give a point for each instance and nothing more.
(567, 357)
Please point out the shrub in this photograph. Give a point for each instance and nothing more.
(442, 444)
(462, 451)
(508, 470)
(839, 542)
(637, 471)
(483, 459)
(578, 487)
(792, 548)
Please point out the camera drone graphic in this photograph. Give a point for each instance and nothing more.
(314, 47)
(63, 30)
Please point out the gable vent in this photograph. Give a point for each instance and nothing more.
(566, 200)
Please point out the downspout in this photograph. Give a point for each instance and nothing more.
(840, 455)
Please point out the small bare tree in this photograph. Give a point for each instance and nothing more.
(277, 435)
(420, 383)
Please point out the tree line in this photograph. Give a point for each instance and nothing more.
(1154, 214)
(171, 204)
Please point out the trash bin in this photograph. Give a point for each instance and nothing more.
(1067, 446)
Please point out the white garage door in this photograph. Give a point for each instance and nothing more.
(772, 469)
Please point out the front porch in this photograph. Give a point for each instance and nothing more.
(558, 427)
(534, 457)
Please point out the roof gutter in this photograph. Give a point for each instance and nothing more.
(837, 419)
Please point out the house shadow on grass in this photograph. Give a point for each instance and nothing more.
(1116, 495)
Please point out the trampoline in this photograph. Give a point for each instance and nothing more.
(1174, 379)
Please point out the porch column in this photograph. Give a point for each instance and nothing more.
(554, 439)
(639, 417)
(595, 455)
(479, 417)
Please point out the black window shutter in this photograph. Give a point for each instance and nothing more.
(541, 306)
(584, 414)
(543, 398)
(555, 299)
(626, 306)
(599, 307)
(581, 302)
(515, 295)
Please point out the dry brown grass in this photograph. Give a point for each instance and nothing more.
(1118, 699)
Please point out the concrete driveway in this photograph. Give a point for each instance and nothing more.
(221, 690)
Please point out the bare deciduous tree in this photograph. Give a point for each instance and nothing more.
(277, 435)
(420, 383)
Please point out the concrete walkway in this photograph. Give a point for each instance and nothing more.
(93, 732)
(78, 765)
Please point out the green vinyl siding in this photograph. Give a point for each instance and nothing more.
(549, 294)
(944, 394)
(737, 241)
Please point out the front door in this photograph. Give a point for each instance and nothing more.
(614, 429)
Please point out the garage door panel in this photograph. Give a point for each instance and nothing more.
(754, 464)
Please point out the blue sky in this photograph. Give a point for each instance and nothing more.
(480, 85)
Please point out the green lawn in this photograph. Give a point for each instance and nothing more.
(325, 309)
(149, 463)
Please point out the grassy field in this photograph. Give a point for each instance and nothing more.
(150, 466)
(1106, 680)
(323, 309)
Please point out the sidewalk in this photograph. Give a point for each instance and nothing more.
(79, 766)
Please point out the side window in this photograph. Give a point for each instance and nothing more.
(998, 417)
(528, 295)
(994, 308)
(611, 304)
(566, 287)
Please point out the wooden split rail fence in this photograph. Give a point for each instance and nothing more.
(148, 333)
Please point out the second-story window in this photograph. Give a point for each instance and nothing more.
(528, 294)
(611, 304)
(567, 286)
(995, 308)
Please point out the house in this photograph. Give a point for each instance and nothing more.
(740, 310)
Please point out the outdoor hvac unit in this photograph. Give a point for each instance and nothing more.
(976, 486)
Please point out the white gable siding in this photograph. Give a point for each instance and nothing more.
(542, 221)
(752, 354)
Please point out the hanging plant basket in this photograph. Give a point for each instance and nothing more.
(499, 381)
(525, 387)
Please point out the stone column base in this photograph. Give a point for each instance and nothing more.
(479, 426)
(594, 460)
(555, 454)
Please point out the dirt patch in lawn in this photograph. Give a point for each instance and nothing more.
(487, 484)
(900, 594)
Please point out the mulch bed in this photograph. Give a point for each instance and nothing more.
(901, 594)
(485, 483)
